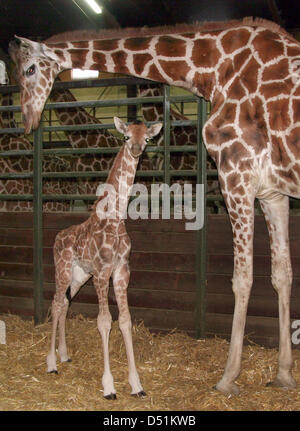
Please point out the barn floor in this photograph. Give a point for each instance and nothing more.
(177, 372)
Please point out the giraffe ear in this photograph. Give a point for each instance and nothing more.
(120, 125)
(34, 48)
(28, 45)
(154, 129)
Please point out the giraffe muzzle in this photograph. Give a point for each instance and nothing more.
(28, 123)
(136, 150)
(31, 120)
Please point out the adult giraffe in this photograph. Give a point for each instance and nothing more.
(248, 70)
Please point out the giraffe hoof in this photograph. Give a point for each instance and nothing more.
(281, 383)
(64, 361)
(110, 397)
(53, 372)
(140, 394)
(230, 389)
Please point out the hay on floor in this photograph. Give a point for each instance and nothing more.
(177, 371)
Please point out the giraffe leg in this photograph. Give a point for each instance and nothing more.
(242, 218)
(276, 211)
(58, 309)
(71, 282)
(79, 277)
(120, 280)
(104, 319)
(62, 346)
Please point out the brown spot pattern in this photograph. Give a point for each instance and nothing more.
(155, 74)
(226, 71)
(234, 40)
(169, 46)
(236, 90)
(177, 70)
(106, 45)
(205, 53)
(250, 75)
(276, 89)
(240, 59)
(137, 43)
(140, 61)
(279, 114)
(279, 154)
(205, 83)
(99, 59)
(119, 58)
(276, 71)
(78, 56)
(267, 45)
(293, 142)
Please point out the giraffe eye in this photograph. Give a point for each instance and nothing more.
(126, 138)
(31, 70)
(147, 140)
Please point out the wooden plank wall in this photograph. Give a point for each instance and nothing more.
(163, 279)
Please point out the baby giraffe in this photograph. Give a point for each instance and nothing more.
(100, 248)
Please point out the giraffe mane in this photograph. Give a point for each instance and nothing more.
(85, 35)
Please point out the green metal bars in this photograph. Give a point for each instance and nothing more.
(164, 175)
(166, 131)
(201, 241)
(38, 271)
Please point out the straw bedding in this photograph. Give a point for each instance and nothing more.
(177, 371)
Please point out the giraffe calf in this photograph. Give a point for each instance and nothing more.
(99, 248)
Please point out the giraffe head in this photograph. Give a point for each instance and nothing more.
(37, 66)
(136, 135)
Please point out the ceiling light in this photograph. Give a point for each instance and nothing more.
(84, 74)
(93, 4)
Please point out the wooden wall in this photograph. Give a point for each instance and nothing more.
(163, 280)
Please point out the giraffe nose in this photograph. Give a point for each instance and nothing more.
(136, 150)
(27, 119)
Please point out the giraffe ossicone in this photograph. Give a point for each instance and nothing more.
(246, 69)
(100, 248)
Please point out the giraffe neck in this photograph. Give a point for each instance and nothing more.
(7, 118)
(162, 58)
(214, 61)
(78, 116)
(70, 116)
(121, 177)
